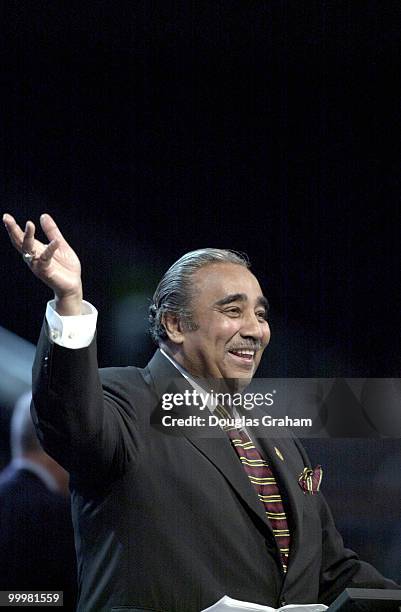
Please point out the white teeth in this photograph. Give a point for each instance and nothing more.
(245, 353)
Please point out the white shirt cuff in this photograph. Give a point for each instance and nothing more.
(75, 331)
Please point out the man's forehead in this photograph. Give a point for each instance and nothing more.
(224, 279)
(260, 299)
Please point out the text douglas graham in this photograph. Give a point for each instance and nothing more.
(239, 422)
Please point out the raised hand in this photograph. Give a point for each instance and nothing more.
(55, 263)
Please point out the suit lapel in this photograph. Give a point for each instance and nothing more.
(220, 452)
(210, 441)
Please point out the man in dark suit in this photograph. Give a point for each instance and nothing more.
(36, 537)
(170, 520)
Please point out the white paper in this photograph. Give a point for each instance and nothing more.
(226, 603)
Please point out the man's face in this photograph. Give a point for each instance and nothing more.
(230, 310)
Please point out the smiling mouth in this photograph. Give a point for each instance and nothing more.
(243, 356)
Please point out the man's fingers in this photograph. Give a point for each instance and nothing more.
(14, 231)
(49, 251)
(29, 238)
(50, 228)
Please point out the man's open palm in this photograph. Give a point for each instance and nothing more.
(55, 263)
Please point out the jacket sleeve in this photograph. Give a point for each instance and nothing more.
(86, 424)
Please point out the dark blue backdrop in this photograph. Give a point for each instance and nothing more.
(151, 128)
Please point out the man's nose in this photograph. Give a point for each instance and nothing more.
(251, 327)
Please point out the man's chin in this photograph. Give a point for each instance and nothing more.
(237, 380)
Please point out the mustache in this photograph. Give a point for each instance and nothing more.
(249, 346)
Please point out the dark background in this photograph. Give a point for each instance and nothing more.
(151, 128)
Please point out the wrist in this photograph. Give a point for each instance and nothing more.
(69, 305)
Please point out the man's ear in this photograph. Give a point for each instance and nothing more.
(173, 327)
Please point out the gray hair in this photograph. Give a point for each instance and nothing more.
(174, 293)
(23, 435)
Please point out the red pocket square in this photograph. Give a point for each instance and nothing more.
(310, 479)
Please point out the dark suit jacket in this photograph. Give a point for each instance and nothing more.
(36, 537)
(171, 522)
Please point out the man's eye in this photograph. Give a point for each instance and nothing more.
(262, 315)
(233, 311)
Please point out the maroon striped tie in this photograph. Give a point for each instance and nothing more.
(262, 478)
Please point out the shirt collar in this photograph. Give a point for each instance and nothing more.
(195, 385)
(188, 377)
